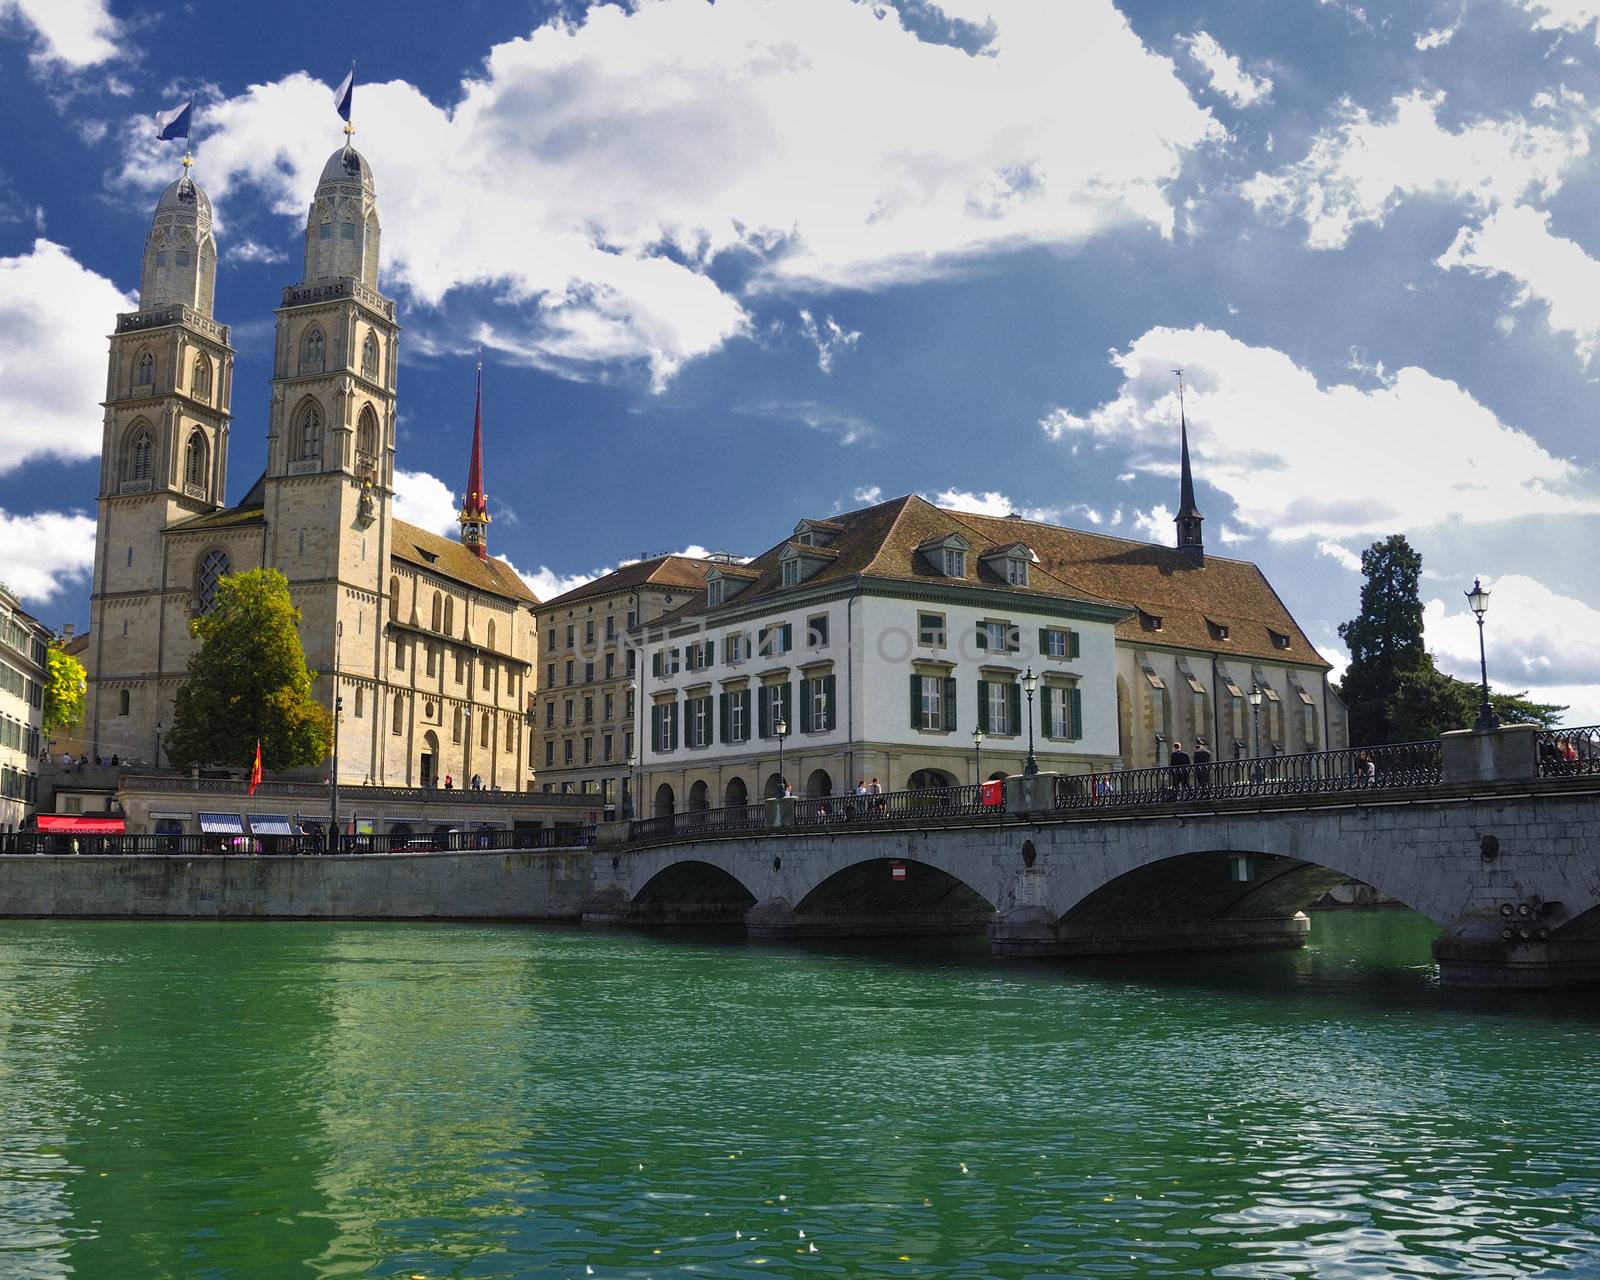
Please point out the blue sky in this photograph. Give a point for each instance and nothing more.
(730, 265)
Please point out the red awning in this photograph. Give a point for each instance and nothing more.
(72, 822)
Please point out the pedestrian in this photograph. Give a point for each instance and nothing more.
(1179, 760)
(876, 792)
(116, 760)
(477, 782)
(1202, 762)
(449, 782)
(66, 759)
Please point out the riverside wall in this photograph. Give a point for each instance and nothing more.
(545, 885)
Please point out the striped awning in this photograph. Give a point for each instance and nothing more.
(222, 824)
(270, 824)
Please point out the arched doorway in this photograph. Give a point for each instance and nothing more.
(428, 766)
(819, 783)
(929, 780)
(699, 797)
(774, 786)
(737, 795)
(665, 801)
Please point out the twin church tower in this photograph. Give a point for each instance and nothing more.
(427, 642)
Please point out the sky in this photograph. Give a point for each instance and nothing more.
(730, 265)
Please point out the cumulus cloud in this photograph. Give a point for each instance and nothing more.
(1564, 15)
(1225, 72)
(54, 316)
(869, 495)
(990, 503)
(547, 583)
(1359, 170)
(1300, 459)
(1516, 242)
(1438, 37)
(426, 501)
(46, 553)
(1342, 556)
(830, 338)
(1156, 524)
(77, 33)
(592, 172)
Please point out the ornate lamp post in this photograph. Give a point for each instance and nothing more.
(1030, 682)
(977, 756)
(628, 788)
(1257, 697)
(333, 778)
(160, 729)
(1478, 598)
(780, 730)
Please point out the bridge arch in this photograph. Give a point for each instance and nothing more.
(692, 891)
(883, 896)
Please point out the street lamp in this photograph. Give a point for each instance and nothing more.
(977, 756)
(1478, 598)
(627, 787)
(1257, 697)
(780, 730)
(1030, 682)
(160, 727)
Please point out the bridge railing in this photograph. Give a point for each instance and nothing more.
(1568, 752)
(455, 841)
(925, 804)
(1406, 764)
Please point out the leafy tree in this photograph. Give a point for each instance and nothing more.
(248, 682)
(64, 687)
(1385, 641)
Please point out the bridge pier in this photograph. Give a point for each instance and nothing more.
(775, 920)
(1035, 933)
(1474, 952)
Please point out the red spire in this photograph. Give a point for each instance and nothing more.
(475, 508)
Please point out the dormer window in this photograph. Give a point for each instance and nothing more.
(806, 538)
(714, 591)
(1279, 640)
(816, 533)
(955, 563)
(799, 561)
(1016, 571)
(1149, 621)
(791, 572)
(1218, 630)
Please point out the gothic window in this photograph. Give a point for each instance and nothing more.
(212, 568)
(123, 698)
(136, 460)
(394, 599)
(438, 610)
(491, 633)
(359, 692)
(369, 357)
(194, 460)
(308, 433)
(455, 726)
(200, 383)
(144, 370)
(367, 433)
(449, 616)
(399, 713)
(311, 351)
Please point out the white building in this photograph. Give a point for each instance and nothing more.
(23, 673)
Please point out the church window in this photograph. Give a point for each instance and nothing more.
(394, 598)
(194, 460)
(308, 434)
(359, 692)
(180, 257)
(483, 731)
(200, 383)
(461, 668)
(399, 713)
(438, 610)
(325, 231)
(136, 463)
(122, 702)
(144, 372)
(311, 351)
(491, 633)
(367, 434)
(347, 231)
(455, 725)
(369, 356)
(449, 616)
(212, 569)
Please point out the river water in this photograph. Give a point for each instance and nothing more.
(306, 1099)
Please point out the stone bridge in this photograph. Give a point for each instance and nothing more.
(1509, 871)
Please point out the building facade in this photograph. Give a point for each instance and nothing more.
(426, 643)
(24, 671)
(585, 715)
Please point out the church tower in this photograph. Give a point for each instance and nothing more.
(330, 435)
(474, 517)
(163, 458)
(1188, 519)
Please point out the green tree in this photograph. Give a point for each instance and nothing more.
(64, 687)
(1385, 642)
(248, 682)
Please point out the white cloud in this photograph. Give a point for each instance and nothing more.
(1359, 170)
(252, 251)
(425, 501)
(1342, 556)
(594, 169)
(1564, 15)
(848, 427)
(1517, 242)
(46, 552)
(547, 583)
(1536, 638)
(1156, 525)
(1226, 73)
(79, 33)
(54, 315)
(869, 495)
(1438, 37)
(993, 503)
(830, 338)
(1300, 459)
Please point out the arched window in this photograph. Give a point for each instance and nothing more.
(491, 633)
(394, 598)
(311, 350)
(200, 382)
(438, 611)
(144, 370)
(455, 726)
(450, 616)
(367, 433)
(369, 356)
(136, 456)
(308, 433)
(359, 692)
(483, 729)
(123, 698)
(213, 567)
(194, 460)
(399, 713)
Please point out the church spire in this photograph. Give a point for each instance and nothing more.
(474, 515)
(1189, 518)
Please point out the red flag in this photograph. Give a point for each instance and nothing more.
(992, 793)
(255, 771)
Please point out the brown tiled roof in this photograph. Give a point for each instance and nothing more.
(227, 518)
(733, 570)
(679, 572)
(883, 542)
(450, 559)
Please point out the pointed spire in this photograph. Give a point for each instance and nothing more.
(1189, 518)
(474, 515)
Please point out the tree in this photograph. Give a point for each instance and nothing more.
(64, 687)
(248, 682)
(1384, 639)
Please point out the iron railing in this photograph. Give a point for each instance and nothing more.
(454, 841)
(927, 804)
(1567, 752)
(1406, 764)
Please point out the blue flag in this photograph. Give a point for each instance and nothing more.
(343, 94)
(175, 123)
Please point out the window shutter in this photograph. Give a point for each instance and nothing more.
(983, 705)
(1044, 711)
(709, 648)
(655, 727)
(788, 644)
(1014, 692)
(916, 701)
(744, 701)
(830, 716)
(1072, 644)
(672, 726)
(655, 664)
(764, 712)
(805, 707)
(1044, 642)
(788, 709)
(983, 637)
(949, 703)
(724, 716)
(1077, 714)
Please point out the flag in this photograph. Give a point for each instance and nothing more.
(993, 793)
(255, 770)
(343, 94)
(175, 123)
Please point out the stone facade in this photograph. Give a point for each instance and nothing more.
(23, 673)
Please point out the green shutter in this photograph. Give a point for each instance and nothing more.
(983, 705)
(1044, 712)
(723, 716)
(672, 725)
(744, 697)
(788, 644)
(655, 728)
(1044, 642)
(655, 664)
(1072, 644)
(1014, 692)
(949, 703)
(805, 707)
(1076, 731)
(983, 637)
(830, 715)
(916, 701)
(788, 707)
(764, 713)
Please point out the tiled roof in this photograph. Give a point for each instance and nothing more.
(883, 542)
(449, 558)
(227, 518)
(678, 572)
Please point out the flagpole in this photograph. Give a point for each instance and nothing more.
(333, 767)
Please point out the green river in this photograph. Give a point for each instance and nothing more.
(328, 1099)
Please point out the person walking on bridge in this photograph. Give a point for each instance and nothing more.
(1180, 766)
